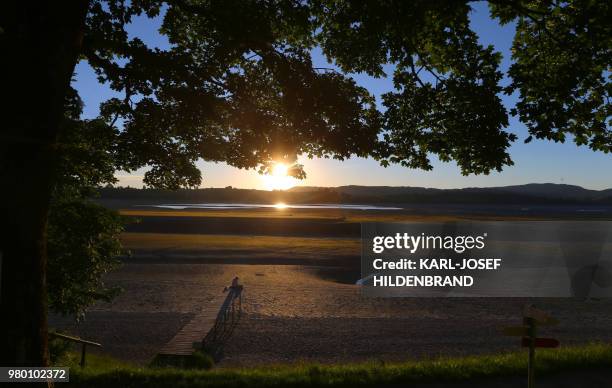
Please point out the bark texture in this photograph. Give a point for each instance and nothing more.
(40, 43)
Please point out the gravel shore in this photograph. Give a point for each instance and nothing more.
(303, 313)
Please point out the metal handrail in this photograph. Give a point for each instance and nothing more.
(82, 341)
(227, 317)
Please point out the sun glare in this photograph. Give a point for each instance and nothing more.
(278, 178)
(279, 170)
(280, 205)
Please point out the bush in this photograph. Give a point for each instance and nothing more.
(83, 244)
(200, 360)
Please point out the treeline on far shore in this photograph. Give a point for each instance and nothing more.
(533, 194)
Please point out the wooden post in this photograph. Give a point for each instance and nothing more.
(83, 350)
(531, 323)
(532, 317)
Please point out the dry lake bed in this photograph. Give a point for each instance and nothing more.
(298, 268)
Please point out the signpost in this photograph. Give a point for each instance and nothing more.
(532, 318)
(541, 342)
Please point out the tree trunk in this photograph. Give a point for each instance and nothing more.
(40, 43)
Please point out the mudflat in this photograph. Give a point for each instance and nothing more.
(300, 300)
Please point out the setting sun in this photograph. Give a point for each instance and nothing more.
(280, 170)
(279, 179)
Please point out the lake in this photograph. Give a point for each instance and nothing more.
(227, 206)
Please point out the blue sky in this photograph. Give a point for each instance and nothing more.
(538, 161)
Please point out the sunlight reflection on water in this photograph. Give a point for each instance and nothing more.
(238, 206)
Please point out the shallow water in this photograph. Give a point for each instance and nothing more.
(225, 206)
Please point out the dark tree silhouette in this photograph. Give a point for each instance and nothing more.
(238, 85)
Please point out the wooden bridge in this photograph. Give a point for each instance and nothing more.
(207, 330)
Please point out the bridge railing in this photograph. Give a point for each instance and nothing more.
(227, 318)
(78, 340)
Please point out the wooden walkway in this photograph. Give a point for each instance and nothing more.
(191, 336)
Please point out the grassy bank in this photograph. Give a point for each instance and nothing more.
(104, 372)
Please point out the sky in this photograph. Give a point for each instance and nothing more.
(539, 161)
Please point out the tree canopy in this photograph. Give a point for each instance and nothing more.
(238, 84)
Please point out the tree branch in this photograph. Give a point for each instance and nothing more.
(529, 13)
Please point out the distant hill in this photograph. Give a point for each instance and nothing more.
(557, 191)
(534, 193)
(533, 190)
(545, 190)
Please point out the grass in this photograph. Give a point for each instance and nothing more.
(105, 372)
(197, 241)
(198, 360)
(270, 246)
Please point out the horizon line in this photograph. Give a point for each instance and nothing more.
(359, 185)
